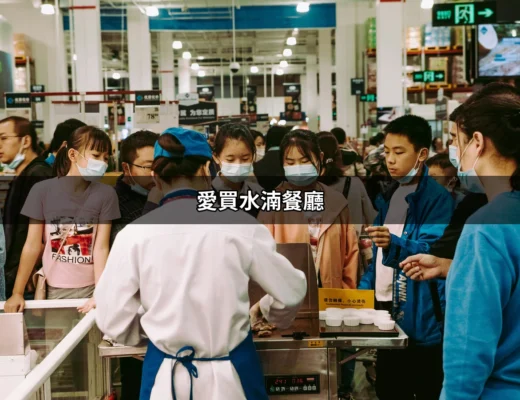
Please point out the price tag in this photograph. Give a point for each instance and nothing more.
(316, 343)
(147, 115)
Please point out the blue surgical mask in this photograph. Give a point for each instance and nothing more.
(410, 175)
(18, 159)
(138, 188)
(50, 159)
(301, 175)
(469, 179)
(236, 172)
(95, 169)
(454, 159)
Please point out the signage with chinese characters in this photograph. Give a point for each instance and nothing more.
(188, 99)
(315, 344)
(38, 89)
(197, 113)
(147, 115)
(368, 98)
(18, 100)
(357, 86)
(456, 14)
(429, 76)
(345, 298)
(206, 92)
(147, 98)
(292, 384)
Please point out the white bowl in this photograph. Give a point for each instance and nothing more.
(368, 310)
(382, 312)
(381, 320)
(349, 312)
(333, 311)
(323, 315)
(334, 321)
(366, 320)
(351, 321)
(386, 326)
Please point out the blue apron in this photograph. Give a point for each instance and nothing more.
(244, 359)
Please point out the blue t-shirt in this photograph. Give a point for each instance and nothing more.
(482, 333)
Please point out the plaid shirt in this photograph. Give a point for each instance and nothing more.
(131, 205)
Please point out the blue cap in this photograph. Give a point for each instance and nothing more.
(194, 144)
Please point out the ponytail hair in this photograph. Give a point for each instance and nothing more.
(81, 140)
(332, 162)
(169, 168)
(495, 112)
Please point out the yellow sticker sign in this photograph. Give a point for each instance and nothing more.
(316, 343)
(345, 298)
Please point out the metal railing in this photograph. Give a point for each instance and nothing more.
(42, 372)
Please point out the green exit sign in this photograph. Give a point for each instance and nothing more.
(429, 76)
(368, 98)
(457, 14)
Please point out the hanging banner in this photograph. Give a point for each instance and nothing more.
(293, 107)
(248, 102)
(197, 113)
(188, 99)
(18, 100)
(206, 92)
(147, 98)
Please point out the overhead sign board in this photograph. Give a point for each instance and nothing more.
(38, 89)
(357, 86)
(429, 76)
(458, 14)
(188, 99)
(368, 98)
(147, 98)
(198, 113)
(17, 100)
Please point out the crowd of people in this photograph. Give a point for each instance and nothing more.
(442, 224)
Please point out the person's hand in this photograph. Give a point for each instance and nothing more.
(380, 236)
(422, 267)
(89, 305)
(255, 314)
(14, 304)
(155, 195)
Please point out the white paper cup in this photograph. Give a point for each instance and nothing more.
(386, 326)
(366, 320)
(334, 321)
(351, 321)
(323, 315)
(334, 311)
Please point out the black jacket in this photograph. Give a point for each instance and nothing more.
(269, 170)
(16, 225)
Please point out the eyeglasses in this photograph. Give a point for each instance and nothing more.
(142, 166)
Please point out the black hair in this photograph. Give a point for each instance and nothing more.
(257, 134)
(275, 136)
(496, 114)
(455, 114)
(332, 160)
(84, 138)
(23, 127)
(237, 132)
(306, 142)
(134, 142)
(62, 133)
(340, 135)
(441, 160)
(372, 141)
(415, 128)
(169, 168)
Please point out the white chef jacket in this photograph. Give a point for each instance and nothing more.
(192, 282)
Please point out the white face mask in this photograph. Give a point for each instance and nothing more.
(260, 153)
(301, 175)
(236, 172)
(454, 159)
(469, 179)
(95, 169)
(18, 159)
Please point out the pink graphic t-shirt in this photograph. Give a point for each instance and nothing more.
(71, 219)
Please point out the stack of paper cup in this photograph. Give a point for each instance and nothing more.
(386, 325)
(323, 315)
(334, 321)
(351, 321)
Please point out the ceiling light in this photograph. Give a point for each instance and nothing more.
(254, 69)
(284, 64)
(152, 11)
(116, 75)
(279, 72)
(287, 53)
(291, 41)
(47, 9)
(177, 45)
(201, 74)
(279, 55)
(186, 55)
(302, 7)
(75, 57)
(427, 4)
(195, 66)
(200, 58)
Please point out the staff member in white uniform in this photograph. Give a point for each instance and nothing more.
(190, 273)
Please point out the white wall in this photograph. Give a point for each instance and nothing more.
(41, 29)
(271, 105)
